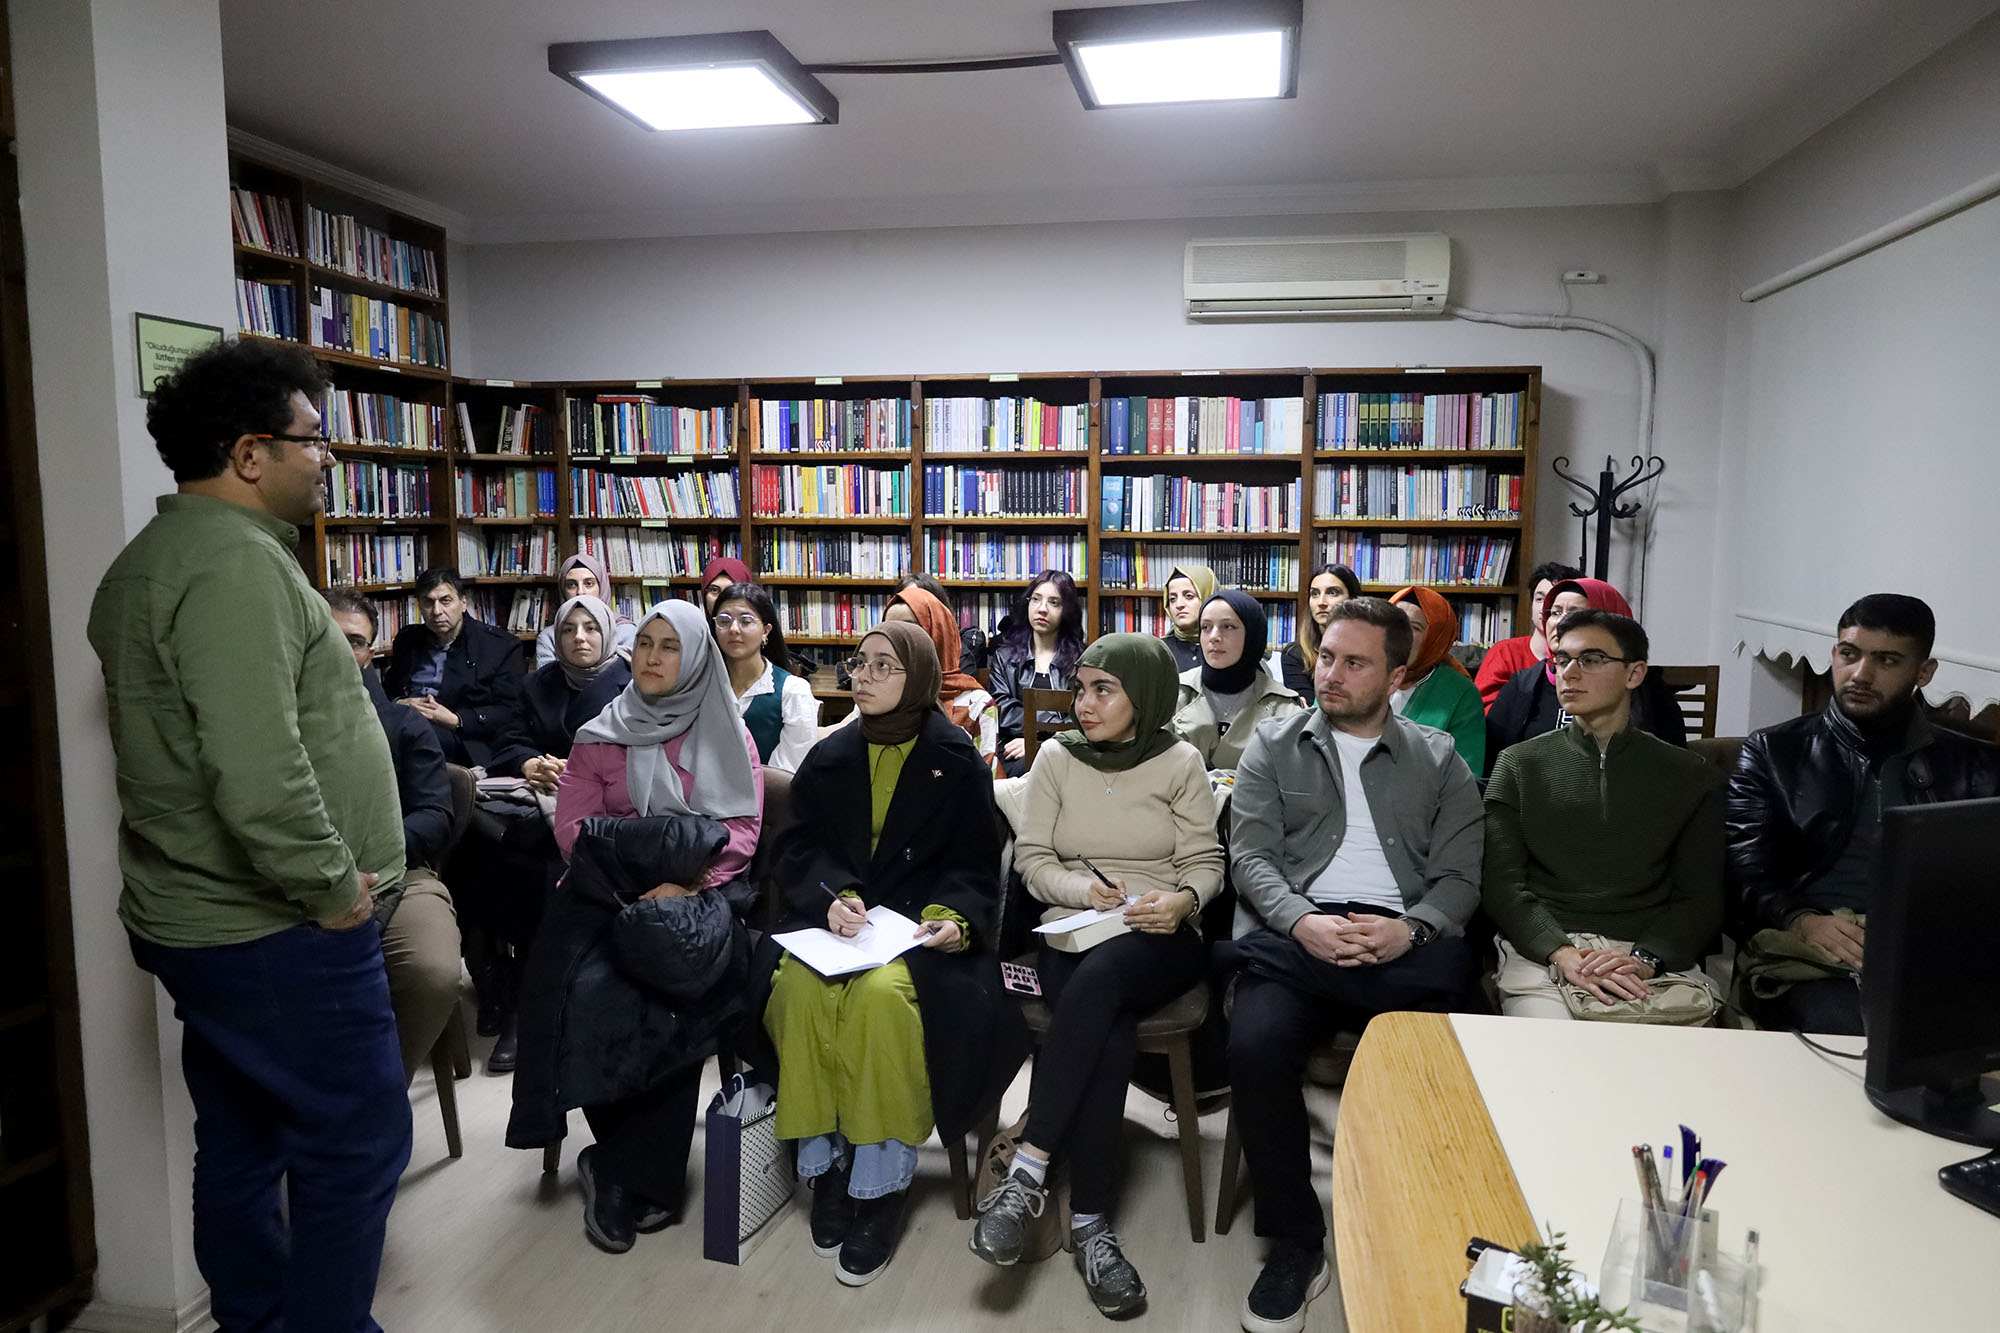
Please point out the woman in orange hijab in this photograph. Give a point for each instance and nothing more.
(961, 697)
(1437, 690)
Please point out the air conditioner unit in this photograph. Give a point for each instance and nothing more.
(1308, 276)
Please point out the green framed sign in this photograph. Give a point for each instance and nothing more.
(165, 343)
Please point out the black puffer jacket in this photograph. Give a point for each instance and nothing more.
(620, 992)
(1793, 794)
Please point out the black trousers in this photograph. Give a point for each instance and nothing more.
(643, 1140)
(1288, 1003)
(1096, 999)
(1829, 1004)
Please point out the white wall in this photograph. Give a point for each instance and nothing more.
(1107, 297)
(123, 209)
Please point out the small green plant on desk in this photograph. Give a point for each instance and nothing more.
(1554, 1301)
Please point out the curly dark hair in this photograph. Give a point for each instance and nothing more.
(344, 603)
(223, 392)
(1069, 630)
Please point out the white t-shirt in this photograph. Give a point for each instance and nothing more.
(1359, 872)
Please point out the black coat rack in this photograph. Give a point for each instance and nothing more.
(1604, 504)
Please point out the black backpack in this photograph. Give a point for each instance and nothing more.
(973, 649)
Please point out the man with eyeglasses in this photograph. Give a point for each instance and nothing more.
(1603, 845)
(260, 824)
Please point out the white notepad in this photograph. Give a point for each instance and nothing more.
(887, 936)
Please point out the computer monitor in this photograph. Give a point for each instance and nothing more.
(1931, 985)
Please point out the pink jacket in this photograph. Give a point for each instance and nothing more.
(593, 783)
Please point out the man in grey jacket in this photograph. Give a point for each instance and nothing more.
(1355, 844)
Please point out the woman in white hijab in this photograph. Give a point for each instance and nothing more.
(670, 743)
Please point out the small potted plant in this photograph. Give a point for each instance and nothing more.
(1555, 1300)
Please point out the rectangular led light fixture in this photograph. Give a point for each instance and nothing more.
(1193, 51)
(713, 81)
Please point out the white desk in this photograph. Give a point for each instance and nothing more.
(1856, 1232)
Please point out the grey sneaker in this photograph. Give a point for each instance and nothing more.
(1113, 1284)
(1001, 1232)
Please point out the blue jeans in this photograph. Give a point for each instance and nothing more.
(291, 1059)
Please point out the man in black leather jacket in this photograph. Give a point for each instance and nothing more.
(1806, 801)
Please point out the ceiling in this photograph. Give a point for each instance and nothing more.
(1403, 104)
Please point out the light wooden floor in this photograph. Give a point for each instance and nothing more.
(489, 1243)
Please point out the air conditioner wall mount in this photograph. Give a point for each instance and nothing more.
(1304, 277)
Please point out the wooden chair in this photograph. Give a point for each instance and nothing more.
(451, 1055)
(1694, 689)
(1033, 730)
(770, 906)
(1327, 1068)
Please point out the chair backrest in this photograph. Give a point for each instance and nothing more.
(464, 800)
(1694, 688)
(1033, 729)
(770, 834)
(1719, 752)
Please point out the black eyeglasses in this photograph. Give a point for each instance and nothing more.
(1589, 659)
(319, 442)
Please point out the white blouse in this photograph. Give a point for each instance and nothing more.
(800, 711)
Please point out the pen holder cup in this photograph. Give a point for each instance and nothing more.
(1667, 1272)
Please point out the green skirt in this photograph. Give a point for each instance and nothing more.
(851, 1052)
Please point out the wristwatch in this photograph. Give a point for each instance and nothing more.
(1649, 958)
(1421, 932)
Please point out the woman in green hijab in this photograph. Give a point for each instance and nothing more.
(1122, 792)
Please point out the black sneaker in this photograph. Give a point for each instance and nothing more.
(832, 1212)
(1292, 1276)
(649, 1217)
(1113, 1284)
(607, 1208)
(871, 1240)
(1001, 1232)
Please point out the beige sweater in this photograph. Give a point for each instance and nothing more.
(1155, 828)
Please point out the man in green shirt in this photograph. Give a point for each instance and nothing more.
(261, 843)
(1603, 842)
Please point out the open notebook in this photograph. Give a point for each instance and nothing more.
(888, 935)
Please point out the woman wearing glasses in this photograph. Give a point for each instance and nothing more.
(778, 704)
(1123, 795)
(1528, 704)
(670, 746)
(895, 812)
(1437, 690)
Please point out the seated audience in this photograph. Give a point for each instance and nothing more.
(1530, 703)
(1188, 588)
(582, 576)
(1221, 701)
(420, 934)
(718, 574)
(1123, 792)
(777, 702)
(1038, 652)
(962, 698)
(1437, 690)
(1508, 656)
(1805, 812)
(460, 674)
(664, 780)
(1603, 844)
(1333, 583)
(895, 812)
(1354, 848)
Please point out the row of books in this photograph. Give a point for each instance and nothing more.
(597, 494)
(393, 614)
(646, 553)
(1484, 622)
(1181, 504)
(951, 491)
(1420, 420)
(831, 614)
(340, 241)
(847, 555)
(520, 430)
(983, 610)
(806, 425)
(1380, 490)
(1236, 564)
(1004, 426)
(1401, 557)
(846, 490)
(514, 492)
(519, 611)
(958, 554)
(384, 330)
(267, 308)
(264, 221)
(1148, 615)
(382, 420)
(353, 557)
(507, 552)
(620, 425)
(1198, 425)
(360, 489)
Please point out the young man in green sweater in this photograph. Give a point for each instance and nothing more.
(1603, 842)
